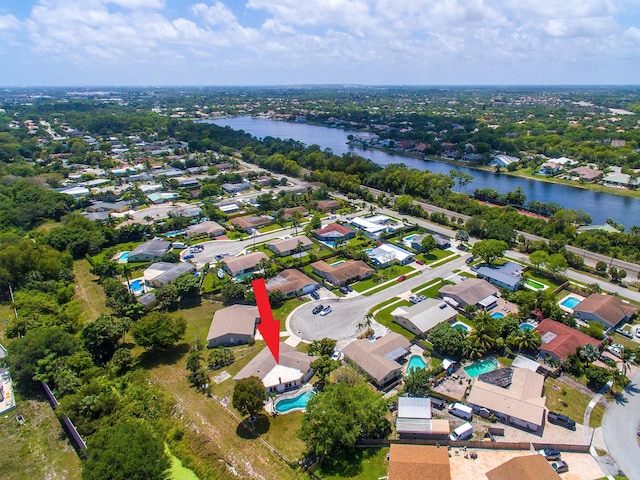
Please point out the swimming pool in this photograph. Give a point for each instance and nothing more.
(497, 315)
(570, 302)
(337, 263)
(174, 233)
(460, 326)
(123, 257)
(416, 361)
(299, 402)
(136, 286)
(409, 238)
(478, 368)
(534, 285)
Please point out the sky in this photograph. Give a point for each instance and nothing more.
(291, 42)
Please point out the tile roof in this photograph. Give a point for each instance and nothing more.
(236, 319)
(561, 340)
(610, 309)
(334, 229)
(528, 467)
(416, 462)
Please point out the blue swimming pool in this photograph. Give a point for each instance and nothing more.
(409, 238)
(123, 257)
(136, 286)
(570, 302)
(337, 263)
(299, 402)
(525, 326)
(478, 368)
(497, 315)
(174, 233)
(416, 361)
(460, 326)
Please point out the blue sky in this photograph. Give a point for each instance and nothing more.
(266, 42)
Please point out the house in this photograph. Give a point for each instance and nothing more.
(161, 197)
(559, 340)
(334, 232)
(508, 275)
(292, 282)
(229, 208)
(251, 223)
(187, 181)
(328, 205)
(244, 264)
(504, 160)
(514, 395)
(442, 242)
(76, 192)
(527, 467)
(610, 311)
(150, 250)
(288, 246)
(549, 168)
(118, 207)
(208, 228)
(376, 225)
(414, 420)
(412, 462)
(236, 187)
(234, 325)
(423, 316)
(379, 359)
(293, 371)
(618, 179)
(341, 273)
(161, 273)
(149, 300)
(586, 174)
(288, 212)
(473, 291)
(386, 254)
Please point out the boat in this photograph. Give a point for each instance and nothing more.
(220, 273)
(7, 399)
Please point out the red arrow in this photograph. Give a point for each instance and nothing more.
(268, 327)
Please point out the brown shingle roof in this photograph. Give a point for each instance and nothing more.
(370, 356)
(471, 291)
(264, 362)
(529, 467)
(246, 222)
(289, 280)
(418, 462)
(244, 262)
(343, 271)
(610, 309)
(327, 204)
(560, 339)
(289, 244)
(236, 319)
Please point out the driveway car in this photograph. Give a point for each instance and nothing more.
(402, 278)
(343, 290)
(469, 260)
(560, 467)
(326, 311)
(562, 420)
(315, 295)
(317, 309)
(419, 262)
(550, 453)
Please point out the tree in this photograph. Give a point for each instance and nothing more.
(248, 396)
(416, 382)
(538, 258)
(340, 415)
(101, 337)
(556, 264)
(129, 450)
(167, 297)
(428, 243)
(489, 250)
(159, 330)
(323, 367)
(462, 236)
(601, 267)
(220, 357)
(447, 340)
(597, 376)
(525, 340)
(194, 361)
(589, 353)
(322, 347)
(187, 286)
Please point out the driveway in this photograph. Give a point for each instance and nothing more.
(620, 425)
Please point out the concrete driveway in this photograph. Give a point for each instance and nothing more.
(620, 426)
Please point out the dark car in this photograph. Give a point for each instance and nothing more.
(560, 467)
(562, 420)
(343, 290)
(349, 288)
(315, 295)
(550, 453)
(317, 309)
(469, 260)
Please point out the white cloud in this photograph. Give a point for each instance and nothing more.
(138, 4)
(9, 22)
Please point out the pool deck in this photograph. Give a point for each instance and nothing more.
(567, 309)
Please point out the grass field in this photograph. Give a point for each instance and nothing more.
(88, 291)
(384, 318)
(361, 464)
(39, 448)
(281, 313)
(562, 398)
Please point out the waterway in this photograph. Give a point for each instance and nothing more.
(600, 206)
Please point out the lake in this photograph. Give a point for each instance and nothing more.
(600, 206)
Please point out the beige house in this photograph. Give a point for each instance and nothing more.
(293, 371)
(529, 467)
(343, 272)
(208, 228)
(292, 282)
(473, 291)
(288, 246)
(244, 264)
(514, 395)
(423, 316)
(606, 309)
(161, 273)
(379, 359)
(234, 325)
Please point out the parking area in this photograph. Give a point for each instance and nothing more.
(581, 465)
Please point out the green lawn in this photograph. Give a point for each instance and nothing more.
(282, 434)
(361, 464)
(430, 289)
(538, 277)
(384, 304)
(433, 256)
(445, 260)
(564, 399)
(88, 291)
(281, 313)
(384, 317)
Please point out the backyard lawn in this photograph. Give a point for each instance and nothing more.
(363, 464)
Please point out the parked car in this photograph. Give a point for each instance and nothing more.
(419, 262)
(317, 309)
(335, 355)
(326, 311)
(421, 298)
(638, 333)
(187, 257)
(562, 420)
(402, 278)
(550, 453)
(315, 295)
(343, 290)
(469, 260)
(349, 288)
(413, 299)
(560, 467)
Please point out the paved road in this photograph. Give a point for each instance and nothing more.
(620, 424)
(341, 323)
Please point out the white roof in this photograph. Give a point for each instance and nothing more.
(367, 225)
(386, 252)
(231, 207)
(281, 374)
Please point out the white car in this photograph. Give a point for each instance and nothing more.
(326, 311)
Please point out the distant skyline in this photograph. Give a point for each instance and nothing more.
(284, 42)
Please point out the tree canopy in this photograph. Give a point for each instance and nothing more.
(158, 330)
(248, 396)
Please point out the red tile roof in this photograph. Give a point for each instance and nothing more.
(562, 339)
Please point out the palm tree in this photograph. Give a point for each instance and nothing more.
(619, 379)
(125, 271)
(368, 318)
(528, 340)
(627, 357)
(194, 361)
